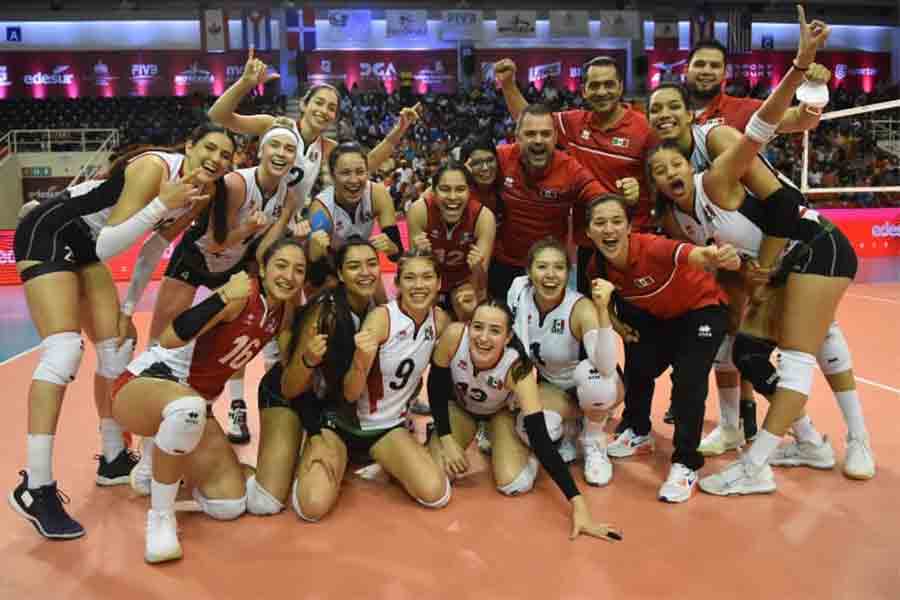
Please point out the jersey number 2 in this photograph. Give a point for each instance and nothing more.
(244, 349)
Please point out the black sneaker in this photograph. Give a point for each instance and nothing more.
(44, 508)
(669, 418)
(238, 432)
(116, 472)
(748, 416)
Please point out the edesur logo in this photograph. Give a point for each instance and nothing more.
(886, 230)
(59, 76)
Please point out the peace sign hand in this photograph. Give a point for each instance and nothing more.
(812, 37)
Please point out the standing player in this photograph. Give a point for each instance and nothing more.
(59, 247)
(448, 222)
(609, 140)
(165, 392)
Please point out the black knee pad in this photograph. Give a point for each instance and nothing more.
(751, 357)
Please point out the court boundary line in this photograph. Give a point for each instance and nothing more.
(877, 298)
(878, 385)
(19, 355)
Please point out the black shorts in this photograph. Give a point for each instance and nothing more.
(188, 265)
(269, 391)
(829, 253)
(54, 236)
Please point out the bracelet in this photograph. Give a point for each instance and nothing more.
(796, 66)
(306, 364)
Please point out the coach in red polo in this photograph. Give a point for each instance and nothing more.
(540, 186)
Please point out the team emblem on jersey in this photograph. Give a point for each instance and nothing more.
(495, 383)
(550, 194)
(715, 122)
(402, 334)
(314, 156)
(462, 364)
(435, 233)
(704, 331)
(509, 181)
(339, 226)
(467, 237)
(429, 333)
(559, 326)
(644, 282)
(620, 142)
(585, 134)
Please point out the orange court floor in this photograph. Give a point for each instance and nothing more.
(820, 536)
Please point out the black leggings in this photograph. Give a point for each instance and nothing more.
(688, 344)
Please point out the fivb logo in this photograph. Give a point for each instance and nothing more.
(144, 72)
(57, 77)
(233, 72)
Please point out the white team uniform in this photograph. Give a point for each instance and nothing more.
(397, 369)
(482, 393)
(550, 342)
(97, 221)
(343, 224)
(309, 160)
(218, 262)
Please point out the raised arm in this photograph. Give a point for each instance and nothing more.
(385, 149)
(372, 334)
(505, 74)
(223, 111)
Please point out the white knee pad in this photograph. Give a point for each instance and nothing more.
(112, 358)
(723, 362)
(271, 354)
(260, 501)
(295, 502)
(595, 391)
(524, 481)
(182, 425)
(60, 358)
(552, 419)
(440, 502)
(227, 509)
(834, 356)
(795, 370)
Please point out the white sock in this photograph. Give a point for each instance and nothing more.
(806, 431)
(147, 446)
(763, 447)
(236, 389)
(594, 431)
(852, 409)
(729, 406)
(40, 459)
(111, 437)
(162, 495)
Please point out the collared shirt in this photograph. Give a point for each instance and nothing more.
(729, 110)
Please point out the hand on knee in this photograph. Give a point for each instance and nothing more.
(112, 359)
(260, 501)
(60, 358)
(221, 509)
(182, 425)
(795, 371)
(521, 483)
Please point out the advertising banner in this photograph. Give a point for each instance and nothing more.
(535, 65)
(421, 69)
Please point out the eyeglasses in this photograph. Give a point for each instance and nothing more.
(485, 163)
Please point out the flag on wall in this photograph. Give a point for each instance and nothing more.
(703, 25)
(740, 27)
(215, 30)
(516, 23)
(257, 29)
(349, 25)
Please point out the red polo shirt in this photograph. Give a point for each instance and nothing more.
(536, 206)
(730, 110)
(609, 154)
(659, 279)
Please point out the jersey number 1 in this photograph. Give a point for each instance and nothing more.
(244, 349)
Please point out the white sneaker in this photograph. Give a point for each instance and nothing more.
(568, 451)
(482, 438)
(140, 478)
(628, 444)
(859, 462)
(679, 485)
(741, 477)
(720, 440)
(598, 470)
(804, 454)
(162, 537)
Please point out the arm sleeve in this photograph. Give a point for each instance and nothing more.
(189, 323)
(439, 381)
(115, 239)
(151, 253)
(536, 428)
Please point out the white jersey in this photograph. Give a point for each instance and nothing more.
(481, 392)
(223, 260)
(345, 225)
(398, 367)
(309, 160)
(549, 341)
(97, 221)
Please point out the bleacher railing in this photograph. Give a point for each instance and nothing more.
(96, 141)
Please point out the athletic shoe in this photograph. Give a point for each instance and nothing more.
(748, 419)
(804, 454)
(859, 462)
(161, 543)
(568, 451)
(628, 443)
(741, 477)
(669, 418)
(679, 485)
(482, 438)
(720, 440)
(140, 478)
(118, 471)
(44, 508)
(597, 468)
(238, 432)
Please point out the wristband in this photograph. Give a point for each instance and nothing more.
(799, 68)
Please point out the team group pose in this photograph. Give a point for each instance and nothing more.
(483, 314)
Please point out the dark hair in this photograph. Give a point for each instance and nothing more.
(414, 253)
(600, 61)
(318, 88)
(341, 150)
(475, 143)
(544, 244)
(524, 365)
(708, 44)
(335, 319)
(278, 245)
(617, 198)
(535, 110)
(660, 200)
(671, 85)
(453, 166)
